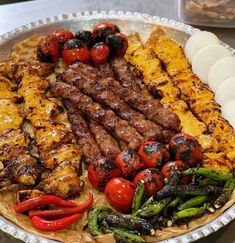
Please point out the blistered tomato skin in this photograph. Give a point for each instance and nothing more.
(154, 154)
(186, 148)
(169, 169)
(85, 36)
(75, 50)
(129, 162)
(102, 30)
(101, 171)
(99, 53)
(153, 180)
(61, 36)
(118, 43)
(48, 51)
(119, 193)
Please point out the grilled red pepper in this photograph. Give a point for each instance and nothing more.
(62, 212)
(54, 225)
(42, 200)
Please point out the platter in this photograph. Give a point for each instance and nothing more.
(128, 22)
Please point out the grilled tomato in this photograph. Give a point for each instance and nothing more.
(61, 36)
(118, 43)
(101, 171)
(169, 169)
(85, 36)
(119, 193)
(102, 30)
(153, 180)
(48, 50)
(186, 148)
(75, 50)
(154, 154)
(129, 163)
(99, 53)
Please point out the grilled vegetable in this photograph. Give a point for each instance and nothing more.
(122, 236)
(192, 190)
(153, 209)
(186, 148)
(169, 169)
(193, 202)
(212, 174)
(119, 193)
(129, 163)
(171, 205)
(75, 50)
(61, 36)
(153, 180)
(54, 225)
(129, 222)
(138, 196)
(154, 154)
(102, 30)
(118, 42)
(224, 197)
(85, 36)
(93, 220)
(99, 53)
(207, 182)
(101, 171)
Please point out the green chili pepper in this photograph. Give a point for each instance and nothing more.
(171, 205)
(212, 174)
(122, 236)
(153, 209)
(93, 220)
(207, 182)
(224, 197)
(193, 202)
(138, 196)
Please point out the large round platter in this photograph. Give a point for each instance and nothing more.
(128, 22)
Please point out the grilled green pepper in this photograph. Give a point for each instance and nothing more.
(193, 202)
(125, 237)
(212, 174)
(227, 191)
(172, 204)
(138, 197)
(207, 182)
(93, 220)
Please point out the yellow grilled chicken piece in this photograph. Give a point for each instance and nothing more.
(198, 95)
(159, 83)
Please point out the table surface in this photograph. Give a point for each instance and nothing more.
(14, 15)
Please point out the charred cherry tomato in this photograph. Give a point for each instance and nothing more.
(169, 169)
(185, 147)
(48, 50)
(154, 154)
(99, 53)
(118, 43)
(85, 36)
(119, 193)
(75, 50)
(101, 171)
(153, 180)
(61, 36)
(129, 162)
(101, 31)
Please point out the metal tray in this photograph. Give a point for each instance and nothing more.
(128, 22)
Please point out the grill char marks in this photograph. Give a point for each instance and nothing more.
(148, 129)
(79, 127)
(95, 111)
(152, 109)
(108, 144)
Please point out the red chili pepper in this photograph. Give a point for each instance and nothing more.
(62, 212)
(54, 225)
(42, 200)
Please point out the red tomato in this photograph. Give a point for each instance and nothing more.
(119, 43)
(153, 180)
(154, 154)
(186, 148)
(48, 51)
(129, 163)
(61, 36)
(101, 171)
(102, 30)
(99, 53)
(169, 169)
(75, 50)
(119, 193)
